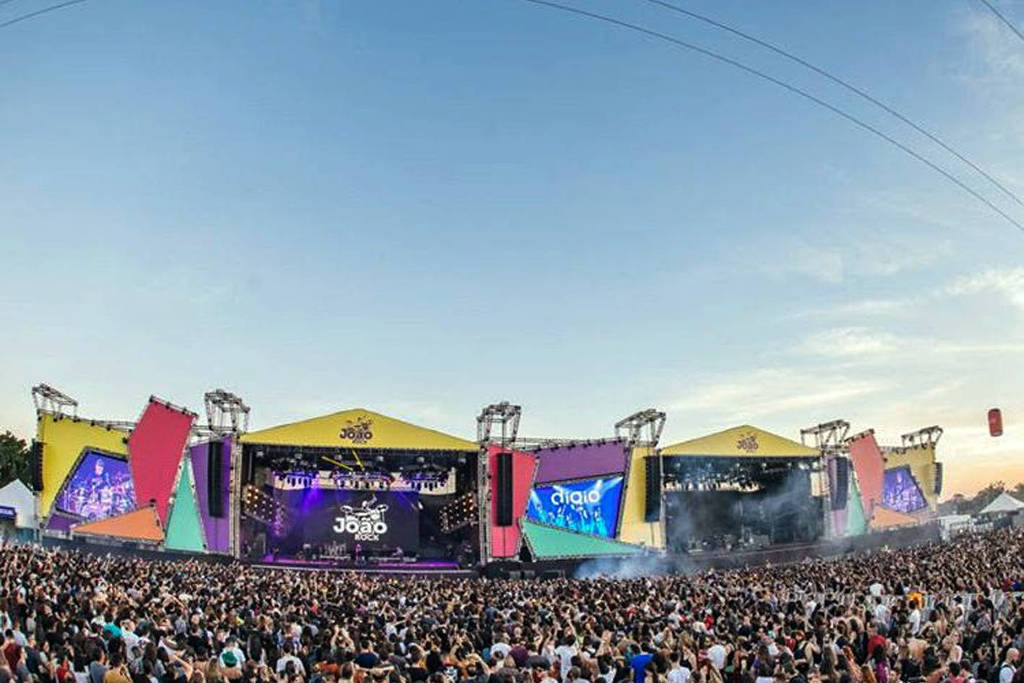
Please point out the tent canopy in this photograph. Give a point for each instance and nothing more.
(18, 496)
(358, 429)
(744, 441)
(1004, 502)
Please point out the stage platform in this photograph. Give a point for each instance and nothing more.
(418, 568)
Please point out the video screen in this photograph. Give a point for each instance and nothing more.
(586, 507)
(101, 486)
(900, 491)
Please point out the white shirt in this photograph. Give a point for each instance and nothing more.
(680, 674)
(915, 623)
(500, 650)
(282, 663)
(1006, 673)
(716, 653)
(875, 589)
(565, 653)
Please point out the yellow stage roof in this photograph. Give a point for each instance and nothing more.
(358, 429)
(742, 442)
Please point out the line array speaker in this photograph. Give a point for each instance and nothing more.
(215, 478)
(652, 489)
(504, 489)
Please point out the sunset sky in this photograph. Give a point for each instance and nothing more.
(424, 207)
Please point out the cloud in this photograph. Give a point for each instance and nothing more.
(1007, 282)
(865, 307)
(849, 342)
(740, 396)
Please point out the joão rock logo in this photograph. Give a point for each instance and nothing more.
(748, 443)
(357, 431)
(364, 524)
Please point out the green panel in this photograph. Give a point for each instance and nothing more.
(184, 529)
(856, 520)
(546, 542)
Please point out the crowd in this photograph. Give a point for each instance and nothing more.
(938, 613)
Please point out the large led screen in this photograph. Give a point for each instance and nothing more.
(336, 520)
(586, 507)
(900, 491)
(101, 486)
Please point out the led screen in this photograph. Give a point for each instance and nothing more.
(900, 491)
(101, 486)
(586, 507)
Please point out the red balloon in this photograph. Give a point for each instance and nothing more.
(995, 422)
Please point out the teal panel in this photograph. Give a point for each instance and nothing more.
(856, 520)
(184, 529)
(547, 542)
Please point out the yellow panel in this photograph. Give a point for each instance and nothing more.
(359, 429)
(921, 460)
(63, 441)
(634, 529)
(742, 442)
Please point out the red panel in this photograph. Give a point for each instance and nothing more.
(505, 540)
(869, 465)
(154, 453)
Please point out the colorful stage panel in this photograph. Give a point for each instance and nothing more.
(63, 441)
(588, 507)
(633, 528)
(921, 461)
(155, 448)
(141, 525)
(100, 486)
(868, 464)
(548, 543)
(359, 429)
(505, 540)
(184, 530)
(581, 461)
(217, 529)
(856, 519)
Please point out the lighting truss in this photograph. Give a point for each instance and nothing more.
(929, 436)
(50, 400)
(225, 412)
(651, 420)
(504, 414)
(828, 436)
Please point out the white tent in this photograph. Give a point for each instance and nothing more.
(1003, 503)
(19, 497)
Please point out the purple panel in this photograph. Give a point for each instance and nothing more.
(581, 461)
(217, 530)
(59, 522)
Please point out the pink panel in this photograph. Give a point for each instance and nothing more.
(869, 465)
(505, 540)
(155, 448)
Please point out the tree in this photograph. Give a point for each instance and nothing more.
(15, 459)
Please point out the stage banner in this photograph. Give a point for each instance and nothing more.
(581, 461)
(586, 507)
(336, 520)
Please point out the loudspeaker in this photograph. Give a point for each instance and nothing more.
(841, 483)
(652, 489)
(37, 465)
(938, 479)
(504, 489)
(215, 478)
(248, 467)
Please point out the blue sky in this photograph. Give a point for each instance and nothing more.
(423, 207)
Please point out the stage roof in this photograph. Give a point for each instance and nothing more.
(741, 442)
(358, 429)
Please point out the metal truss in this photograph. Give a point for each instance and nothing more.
(50, 400)
(504, 414)
(929, 436)
(225, 412)
(828, 436)
(651, 420)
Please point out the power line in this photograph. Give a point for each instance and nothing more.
(51, 8)
(1003, 19)
(782, 84)
(852, 88)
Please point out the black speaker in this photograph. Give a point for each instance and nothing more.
(215, 478)
(652, 489)
(938, 479)
(37, 465)
(504, 488)
(840, 483)
(248, 467)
